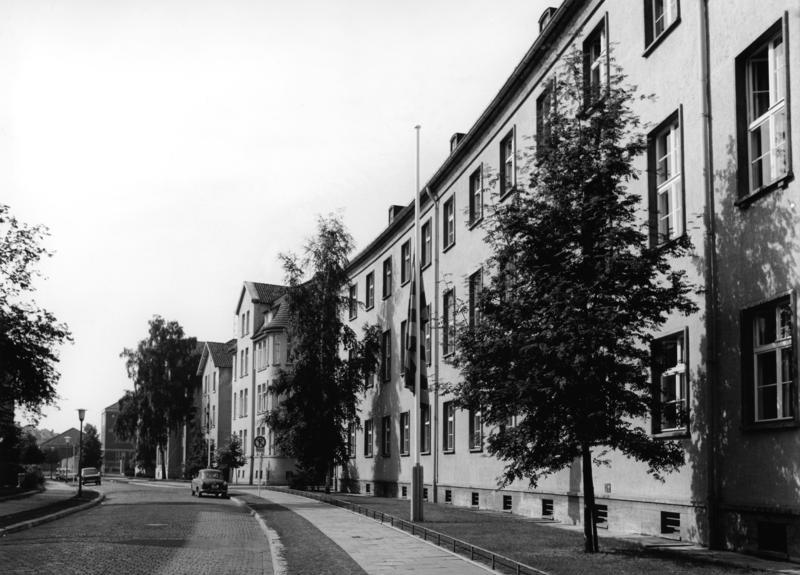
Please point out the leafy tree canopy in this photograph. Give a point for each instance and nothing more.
(231, 455)
(574, 295)
(330, 365)
(92, 449)
(29, 335)
(163, 370)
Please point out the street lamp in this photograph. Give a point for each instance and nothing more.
(81, 415)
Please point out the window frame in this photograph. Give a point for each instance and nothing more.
(386, 287)
(475, 287)
(352, 300)
(448, 427)
(652, 38)
(426, 254)
(508, 163)
(593, 95)
(475, 430)
(386, 436)
(403, 342)
(405, 262)
(448, 321)
(369, 438)
(658, 372)
(369, 288)
(476, 196)
(544, 108)
(427, 330)
(386, 356)
(671, 126)
(425, 428)
(449, 223)
(745, 126)
(405, 433)
(750, 350)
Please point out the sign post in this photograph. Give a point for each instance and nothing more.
(260, 442)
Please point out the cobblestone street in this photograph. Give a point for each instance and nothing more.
(142, 529)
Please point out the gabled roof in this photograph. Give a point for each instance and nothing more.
(259, 293)
(217, 352)
(61, 438)
(280, 318)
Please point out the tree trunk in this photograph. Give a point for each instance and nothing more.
(589, 525)
(163, 463)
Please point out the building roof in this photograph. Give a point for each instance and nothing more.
(260, 293)
(217, 352)
(68, 437)
(280, 318)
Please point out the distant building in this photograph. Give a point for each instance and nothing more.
(118, 455)
(215, 372)
(66, 445)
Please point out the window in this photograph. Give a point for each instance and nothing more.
(386, 355)
(405, 433)
(235, 406)
(475, 196)
(386, 436)
(544, 108)
(763, 122)
(449, 222)
(405, 262)
(670, 522)
(387, 277)
(507, 164)
(351, 440)
(276, 350)
(448, 495)
(247, 323)
(403, 343)
(426, 328)
(247, 361)
(601, 516)
(595, 65)
(547, 507)
(449, 322)
(475, 430)
(769, 360)
(427, 245)
(214, 382)
(665, 161)
(475, 287)
(213, 416)
(449, 426)
(244, 403)
(659, 15)
(670, 385)
(370, 290)
(368, 439)
(474, 498)
(352, 301)
(425, 417)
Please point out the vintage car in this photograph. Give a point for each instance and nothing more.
(210, 481)
(90, 475)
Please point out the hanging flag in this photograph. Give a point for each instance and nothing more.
(411, 333)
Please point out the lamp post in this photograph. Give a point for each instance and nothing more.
(81, 415)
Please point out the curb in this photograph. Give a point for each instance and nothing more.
(279, 566)
(22, 526)
(21, 495)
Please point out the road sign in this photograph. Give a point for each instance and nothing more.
(260, 442)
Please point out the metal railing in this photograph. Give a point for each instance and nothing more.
(475, 553)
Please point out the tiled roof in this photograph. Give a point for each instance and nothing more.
(280, 316)
(219, 353)
(265, 293)
(230, 346)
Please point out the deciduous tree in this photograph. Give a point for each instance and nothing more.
(163, 370)
(92, 449)
(330, 364)
(574, 296)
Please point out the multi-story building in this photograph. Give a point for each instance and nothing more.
(272, 353)
(118, 455)
(65, 444)
(215, 371)
(719, 169)
(255, 301)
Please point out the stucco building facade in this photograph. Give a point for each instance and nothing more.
(719, 169)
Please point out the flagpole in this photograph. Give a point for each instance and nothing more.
(416, 474)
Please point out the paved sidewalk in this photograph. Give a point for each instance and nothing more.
(55, 491)
(378, 549)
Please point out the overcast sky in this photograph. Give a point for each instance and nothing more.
(175, 148)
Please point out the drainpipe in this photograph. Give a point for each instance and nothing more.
(435, 345)
(712, 312)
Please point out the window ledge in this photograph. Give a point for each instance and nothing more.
(508, 192)
(772, 425)
(474, 223)
(448, 354)
(425, 452)
(425, 266)
(387, 296)
(352, 317)
(476, 449)
(745, 201)
(654, 44)
(368, 457)
(404, 282)
(367, 308)
(404, 454)
(448, 248)
(682, 433)
(448, 451)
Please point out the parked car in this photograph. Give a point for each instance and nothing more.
(210, 481)
(90, 475)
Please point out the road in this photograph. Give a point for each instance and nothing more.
(142, 528)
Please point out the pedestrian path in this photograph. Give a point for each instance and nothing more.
(55, 491)
(378, 549)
